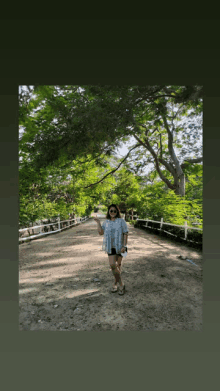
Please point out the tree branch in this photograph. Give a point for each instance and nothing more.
(161, 148)
(168, 166)
(150, 149)
(111, 172)
(198, 160)
(170, 146)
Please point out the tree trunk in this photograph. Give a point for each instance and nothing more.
(180, 188)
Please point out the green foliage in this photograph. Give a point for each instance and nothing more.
(67, 145)
(73, 121)
(194, 183)
(155, 201)
(60, 190)
(132, 222)
(125, 189)
(158, 202)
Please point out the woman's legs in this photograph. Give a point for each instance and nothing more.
(119, 260)
(115, 269)
(112, 259)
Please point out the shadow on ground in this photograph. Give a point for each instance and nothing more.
(65, 283)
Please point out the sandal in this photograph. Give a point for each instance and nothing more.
(121, 290)
(114, 288)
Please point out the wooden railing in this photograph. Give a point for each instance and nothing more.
(77, 220)
(161, 222)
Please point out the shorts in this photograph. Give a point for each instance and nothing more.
(113, 252)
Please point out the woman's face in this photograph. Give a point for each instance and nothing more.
(113, 212)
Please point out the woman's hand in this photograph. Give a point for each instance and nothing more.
(123, 249)
(96, 219)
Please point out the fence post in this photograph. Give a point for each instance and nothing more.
(59, 223)
(161, 223)
(185, 230)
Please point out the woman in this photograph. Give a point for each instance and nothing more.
(115, 232)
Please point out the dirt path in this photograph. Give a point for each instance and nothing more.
(65, 283)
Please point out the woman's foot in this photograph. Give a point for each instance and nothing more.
(114, 288)
(121, 290)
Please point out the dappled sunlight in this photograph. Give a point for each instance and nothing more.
(84, 236)
(46, 276)
(50, 270)
(26, 290)
(65, 284)
(69, 295)
(60, 262)
(80, 251)
(48, 254)
(140, 252)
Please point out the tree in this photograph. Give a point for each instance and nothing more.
(59, 189)
(96, 119)
(126, 190)
(151, 122)
(159, 140)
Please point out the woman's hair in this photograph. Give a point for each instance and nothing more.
(118, 212)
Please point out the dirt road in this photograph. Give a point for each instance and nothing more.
(65, 284)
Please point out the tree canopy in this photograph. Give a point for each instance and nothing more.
(71, 134)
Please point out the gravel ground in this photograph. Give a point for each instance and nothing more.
(65, 284)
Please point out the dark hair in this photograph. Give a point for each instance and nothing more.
(118, 212)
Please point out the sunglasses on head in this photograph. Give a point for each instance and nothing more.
(113, 211)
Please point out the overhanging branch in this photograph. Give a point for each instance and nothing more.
(150, 149)
(198, 160)
(111, 172)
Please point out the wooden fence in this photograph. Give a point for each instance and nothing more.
(59, 223)
(161, 222)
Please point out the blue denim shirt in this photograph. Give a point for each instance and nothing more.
(113, 234)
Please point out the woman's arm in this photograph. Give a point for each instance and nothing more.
(100, 230)
(125, 238)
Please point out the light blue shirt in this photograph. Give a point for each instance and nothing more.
(113, 234)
